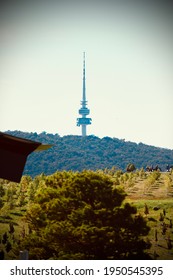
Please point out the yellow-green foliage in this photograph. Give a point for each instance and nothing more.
(152, 178)
(169, 180)
(49, 199)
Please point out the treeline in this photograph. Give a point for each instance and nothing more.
(78, 153)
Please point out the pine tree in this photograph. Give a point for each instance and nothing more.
(11, 228)
(146, 210)
(83, 216)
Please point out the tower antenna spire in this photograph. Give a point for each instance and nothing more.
(83, 111)
(84, 88)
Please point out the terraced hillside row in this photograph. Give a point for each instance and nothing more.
(78, 153)
(154, 185)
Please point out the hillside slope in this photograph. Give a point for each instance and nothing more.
(154, 189)
(77, 153)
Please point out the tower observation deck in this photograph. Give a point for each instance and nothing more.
(83, 111)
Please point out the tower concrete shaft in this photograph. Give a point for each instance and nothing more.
(84, 111)
(83, 129)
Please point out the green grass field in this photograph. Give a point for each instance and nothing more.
(161, 229)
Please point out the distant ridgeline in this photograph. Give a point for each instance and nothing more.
(77, 153)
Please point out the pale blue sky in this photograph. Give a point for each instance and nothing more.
(129, 70)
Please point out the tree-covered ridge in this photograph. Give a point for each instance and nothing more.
(78, 153)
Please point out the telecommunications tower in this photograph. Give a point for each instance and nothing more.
(83, 111)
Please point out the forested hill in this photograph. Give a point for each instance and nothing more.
(77, 153)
